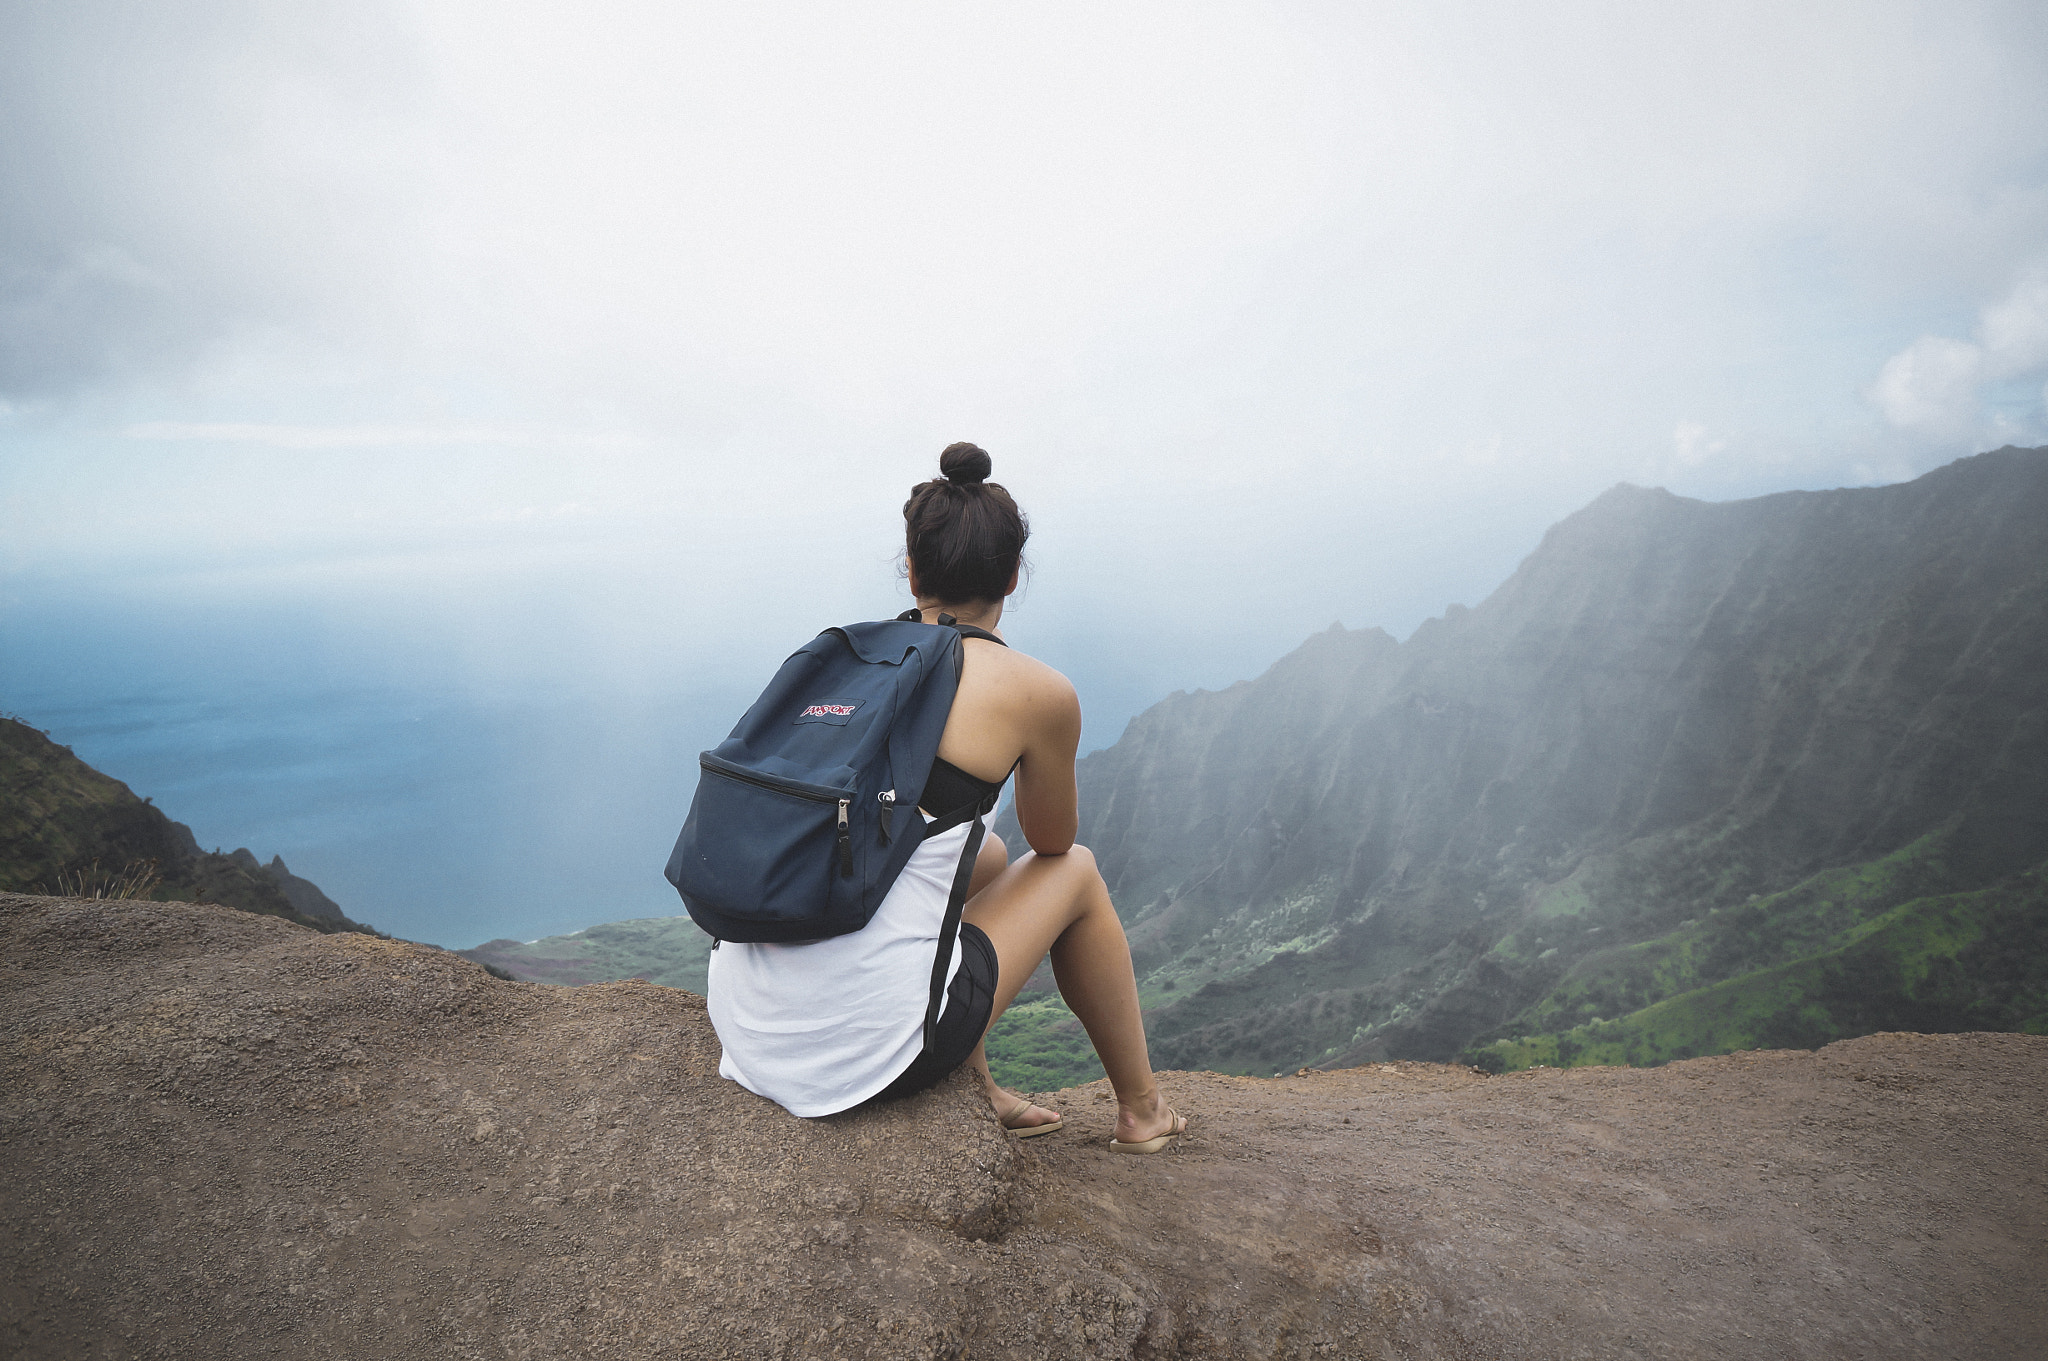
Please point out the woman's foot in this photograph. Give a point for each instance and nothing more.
(1176, 1126)
(1140, 1121)
(1020, 1116)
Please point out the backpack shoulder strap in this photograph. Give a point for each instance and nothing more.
(963, 873)
(949, 930)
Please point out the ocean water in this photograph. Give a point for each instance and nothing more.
(440, 791)
(426, 804)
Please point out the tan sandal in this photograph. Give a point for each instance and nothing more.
(1174, 1131)
(1029, 1131)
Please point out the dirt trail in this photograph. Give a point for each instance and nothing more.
(228, 1136)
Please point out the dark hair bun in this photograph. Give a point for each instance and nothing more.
(963, 537)
(965, 463)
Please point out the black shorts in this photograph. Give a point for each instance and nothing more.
(969, 1001)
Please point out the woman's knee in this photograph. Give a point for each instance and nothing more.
(1085, 873)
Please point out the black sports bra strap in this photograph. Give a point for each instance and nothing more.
(916, 616)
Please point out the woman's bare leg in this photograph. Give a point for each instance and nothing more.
(993, 860)
(1058, 904)
(990, 863)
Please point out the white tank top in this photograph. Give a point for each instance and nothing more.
(823, 1025)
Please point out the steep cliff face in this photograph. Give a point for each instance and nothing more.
(65, 827)
(1671, 706)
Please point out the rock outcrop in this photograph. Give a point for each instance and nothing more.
(227, 1135)
(303, 894)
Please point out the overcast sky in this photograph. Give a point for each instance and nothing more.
(1290, 308)
(597, 345)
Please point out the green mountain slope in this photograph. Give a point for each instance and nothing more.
(1940, 964)
(1038, 1046)
(67, 829)
(671, 951)
(1810, 918)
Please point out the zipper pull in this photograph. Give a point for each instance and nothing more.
(887, 798)
(845, 841)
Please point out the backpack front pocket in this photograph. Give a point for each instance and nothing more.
(767, 849)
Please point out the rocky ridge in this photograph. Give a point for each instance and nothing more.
(227, 1135)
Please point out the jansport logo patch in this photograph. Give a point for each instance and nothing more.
(834, 711)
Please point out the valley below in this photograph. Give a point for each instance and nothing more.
(231, 1135)
(1698, 777)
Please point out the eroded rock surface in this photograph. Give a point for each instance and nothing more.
(230, 1136)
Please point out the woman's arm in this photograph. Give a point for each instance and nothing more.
(1048, 807)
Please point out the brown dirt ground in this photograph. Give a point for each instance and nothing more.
(227, 1136)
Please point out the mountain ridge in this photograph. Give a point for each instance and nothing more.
(1669, 705)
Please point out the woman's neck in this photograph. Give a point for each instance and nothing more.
(980, 613)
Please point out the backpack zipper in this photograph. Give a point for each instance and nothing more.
(795, 789)
(887, 798)
(843, 851)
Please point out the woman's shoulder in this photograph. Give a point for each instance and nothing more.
(1023, 679)
(1015, 665)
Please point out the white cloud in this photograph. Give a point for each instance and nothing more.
(2015, 330)
(1931, 385)
(1937, 385)
(1690, 445)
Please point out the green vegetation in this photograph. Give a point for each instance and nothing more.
(1038, 1046)
(1727, 943)
(1845, 964)
(1294, 1008)
(671, 951)
(1565, 898)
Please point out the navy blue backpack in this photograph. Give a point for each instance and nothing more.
(806, 814)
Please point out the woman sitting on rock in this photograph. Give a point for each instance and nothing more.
(825, 1025)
